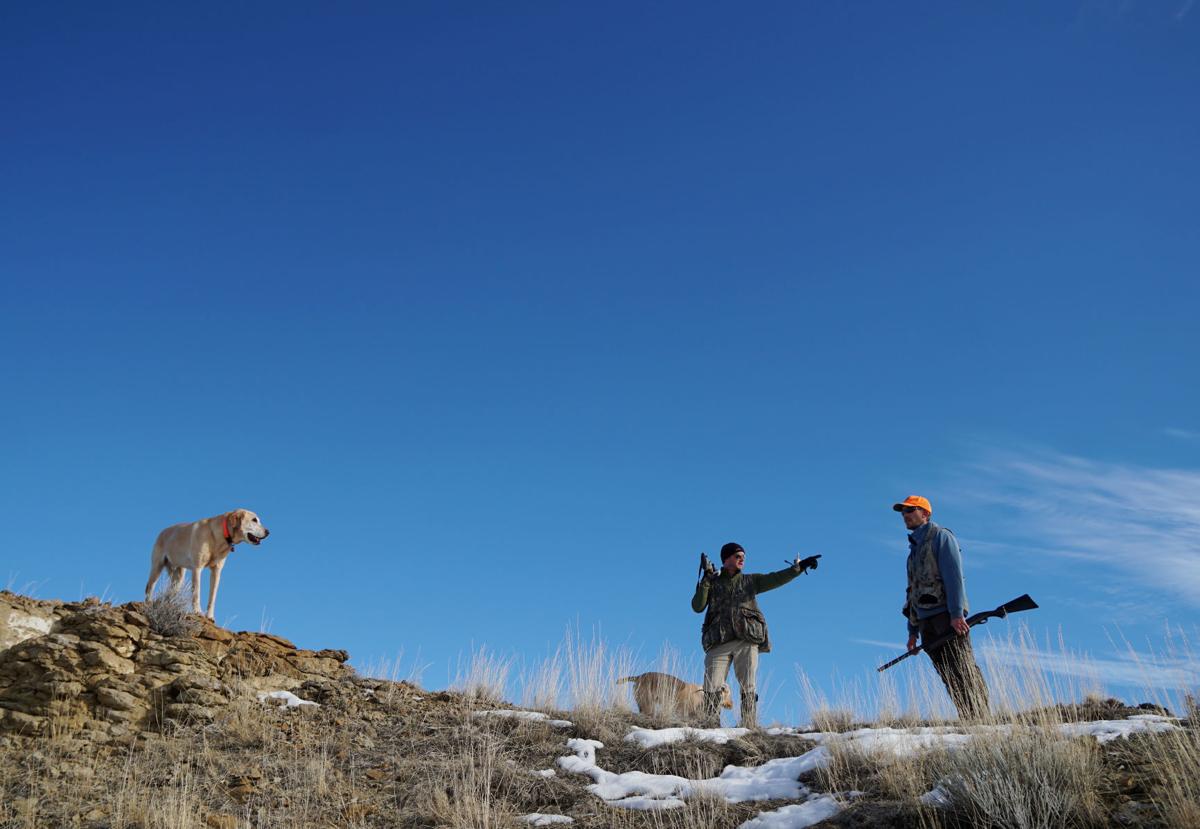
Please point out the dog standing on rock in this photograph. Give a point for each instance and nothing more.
(200, 544)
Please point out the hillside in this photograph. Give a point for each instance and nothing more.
(106, 721)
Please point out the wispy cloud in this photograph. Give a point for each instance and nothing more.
(1138, 670)
(1182, 434)
(875, 643)
(1142, 521)
(1130, 669)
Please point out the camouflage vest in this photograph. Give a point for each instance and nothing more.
(925, 587)
(733, 614)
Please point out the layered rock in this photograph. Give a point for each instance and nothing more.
(22, 618)
(100, 672)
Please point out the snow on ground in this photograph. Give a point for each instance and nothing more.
(290, 699)
(532, 716)
(651, 737)
(1105, 730)
(938, 797)
(779, 779)
(539, 819)
(796, 815)
(805, 731)
(902, 742)
(773, 780)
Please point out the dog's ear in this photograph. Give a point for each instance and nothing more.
(235, 524)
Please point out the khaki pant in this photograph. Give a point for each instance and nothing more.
(744, 658)
(955, 664)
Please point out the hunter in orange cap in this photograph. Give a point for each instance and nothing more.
(914, 501)
(936, 605)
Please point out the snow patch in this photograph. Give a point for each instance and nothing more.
(532, 716)
(774, 780)
(539, 819)
(1105, 730)
(805, 731)
(290, 699)
(937, 797)
(796, 816)
(651, 737)
(779, 779)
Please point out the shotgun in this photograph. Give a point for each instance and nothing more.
(1015, 606)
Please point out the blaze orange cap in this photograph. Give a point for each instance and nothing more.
(914, 501)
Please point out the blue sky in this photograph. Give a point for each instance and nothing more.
(499, 315)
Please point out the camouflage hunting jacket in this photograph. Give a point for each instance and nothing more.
(732, 607)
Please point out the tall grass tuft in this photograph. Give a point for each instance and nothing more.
(1017, 769)
(592, 671)
(464, 795)
(1176, 762)
(170, 614)
(392, 671)
(1028, 779)
(1175, 758)
(542, 685)
(484, 677)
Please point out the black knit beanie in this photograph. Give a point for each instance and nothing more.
(731, 548)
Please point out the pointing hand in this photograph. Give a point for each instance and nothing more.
(803, 565)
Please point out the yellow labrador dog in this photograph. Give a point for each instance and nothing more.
(201, 544)
(667, 695)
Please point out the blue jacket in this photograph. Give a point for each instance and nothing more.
(949, 559)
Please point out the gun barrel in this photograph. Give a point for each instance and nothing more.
(900, 658)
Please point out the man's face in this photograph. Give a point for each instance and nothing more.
(914, 517)
(734, 563)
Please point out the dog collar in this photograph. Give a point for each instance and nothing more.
(225, 529)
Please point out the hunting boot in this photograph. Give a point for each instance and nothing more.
(710, 717)
(749, 711)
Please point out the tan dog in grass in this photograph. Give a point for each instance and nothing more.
(201, 544)
(666, 695)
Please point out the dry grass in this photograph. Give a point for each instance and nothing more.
(465, 794)
(1024, 779)
(701, 811)
(394, 671)
(543, 685)
(875, 699)
(384, 753)
(1030, 779)
(379, 759)
(1174, 761)
(592, 671)
(1017, 769)
(170, 614)
(484, 676)
(579, 675)
(834, 719)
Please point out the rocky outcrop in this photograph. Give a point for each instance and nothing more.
(23, 618)
(100, 672)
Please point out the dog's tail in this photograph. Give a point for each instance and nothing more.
(628, 679)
